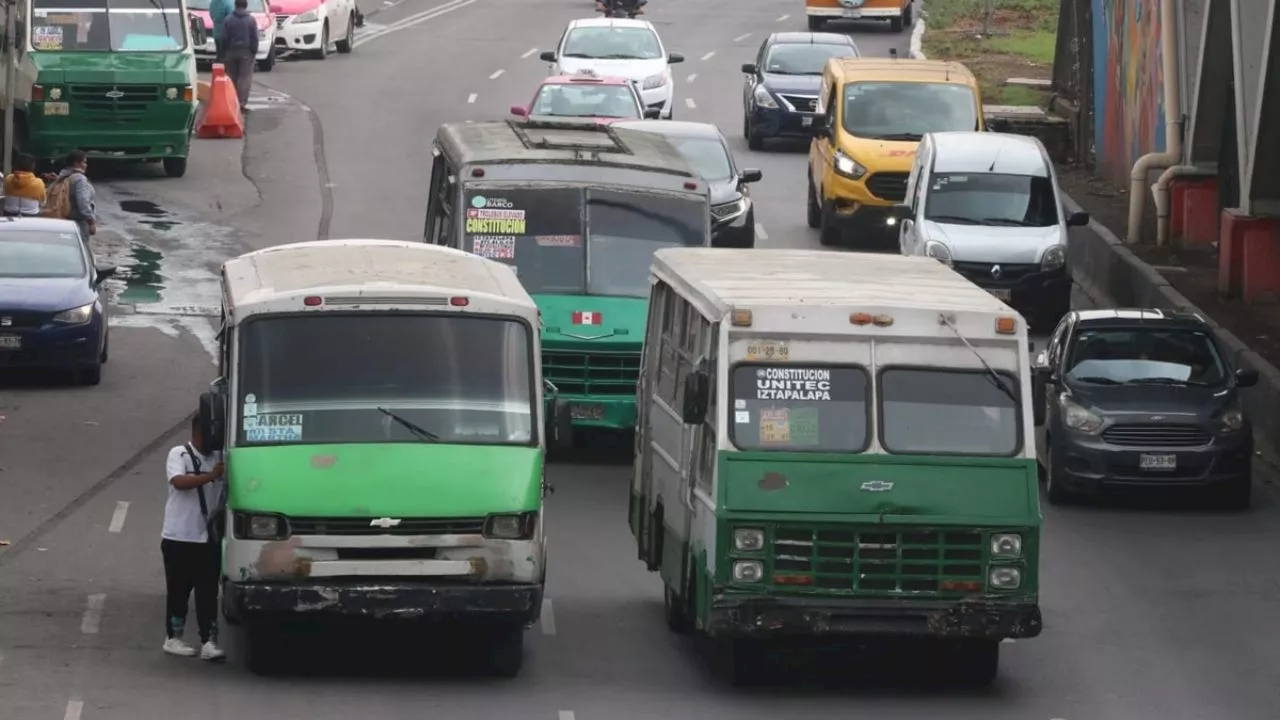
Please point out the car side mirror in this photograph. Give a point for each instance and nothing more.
(1246, 377)
(213, 420)
(674, 58)
(519, 111)
(548, 56)
(902, 212)
(819, 127)
(750, 175)
(1078, 219)
(696, 394)
(561, 425)
(103, 272)
(652, 113)
(199, 35)
(749, 68)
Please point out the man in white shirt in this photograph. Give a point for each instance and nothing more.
(192, 555)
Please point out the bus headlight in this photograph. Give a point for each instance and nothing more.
(748, 539)
(260, 527)
(510, 527)
(748, 571)
(1005, 578)
(1006, 545)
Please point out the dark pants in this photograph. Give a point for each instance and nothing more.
(239, 62)
(217, 50)
(191, 567)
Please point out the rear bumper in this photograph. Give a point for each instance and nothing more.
(409, 600)
(979, 618)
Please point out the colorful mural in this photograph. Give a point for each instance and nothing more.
(1128, 84)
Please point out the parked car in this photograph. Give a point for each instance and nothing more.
(266, 33)
(780, 90)
(586, 95)
(1141, 399)
(733, 217)
(311, 26)
(623, 48)
(52, 313)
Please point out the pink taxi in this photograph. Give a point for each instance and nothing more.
(266, 32)
(587, 96)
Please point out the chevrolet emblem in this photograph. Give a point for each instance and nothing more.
(384, 523)
(115, 94)
(876, 486)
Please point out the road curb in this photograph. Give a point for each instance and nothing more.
(1111, 275)
(916, 48)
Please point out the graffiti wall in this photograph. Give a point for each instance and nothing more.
(1128, 84)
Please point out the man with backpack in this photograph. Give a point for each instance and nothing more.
(71, 196)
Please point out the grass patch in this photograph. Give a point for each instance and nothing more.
(1022, 41)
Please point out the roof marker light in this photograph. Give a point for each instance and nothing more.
(882, 320)
(691, 186)
(1006, 325)
(741, 318)
(312, 300)
(860, 318)
(477, 172)
(459, 301)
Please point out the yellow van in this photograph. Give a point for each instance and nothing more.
(899, 13)
(870, 116)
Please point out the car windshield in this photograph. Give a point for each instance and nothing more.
(255, 6)
(991, 199)
(907, 110)
(108, 25)
(707, 155)
(586, 100)
(947, 412)
(1138, 356)
(346, 378)
(37, 254)
(795, 407)
(804, 58)
(612, 43)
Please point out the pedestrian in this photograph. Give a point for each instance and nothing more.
(71, 196)
(240, 49)
(23, 190)
(218, 12)
(191, 543)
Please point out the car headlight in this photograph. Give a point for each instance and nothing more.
(510, 527)
(848, 167)
(1006, 545)
(1005, 578)
(1054, 258)
(75, 316)
(730, 210)
(308, 16)
(1079, 419)
(748, 539)
(748, 571)
(1232, 420)
(938, 251)
(655, 81)
(763, 98)
(260, 527)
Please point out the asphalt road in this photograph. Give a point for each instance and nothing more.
(1150, 614)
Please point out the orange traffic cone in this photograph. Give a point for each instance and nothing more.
(220, 117)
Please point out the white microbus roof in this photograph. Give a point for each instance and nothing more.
(756, 279)
(375, 267)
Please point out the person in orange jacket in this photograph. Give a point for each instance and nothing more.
(24, 192)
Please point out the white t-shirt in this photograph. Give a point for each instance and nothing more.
(183, 520)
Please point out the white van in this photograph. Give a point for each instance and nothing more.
(988, 205)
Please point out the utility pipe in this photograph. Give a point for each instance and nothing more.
(1172, 154)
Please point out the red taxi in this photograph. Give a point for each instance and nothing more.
(588, 96)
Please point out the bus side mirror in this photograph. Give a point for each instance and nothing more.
(213, 420)
(696, 394)
(199, 36)
(561, 425)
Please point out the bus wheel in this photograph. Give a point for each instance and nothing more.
(175, 167)
(265, 649)
(506, 651)
(744, 661)
(676, 610)
(977, 662)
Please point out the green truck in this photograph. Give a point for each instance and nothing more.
(578, 209)
(841, 447)
(115, 78)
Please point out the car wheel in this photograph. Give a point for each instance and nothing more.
(323, 52)
(106, 346)
(816, 23)
(829, 233)
(895, 24)
(91, 375)
(909, 14)
(267, 63)
(814, 215)
(347, 43)
(1057, 494)
(754, 140)
(1238, 494)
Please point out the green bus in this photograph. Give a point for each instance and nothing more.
(115, 78)
(842, 446)
(380, 407)
(577, 208)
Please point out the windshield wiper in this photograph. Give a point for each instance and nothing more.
(418, 432)
(622, 57)
(953, 219)
(163, 16)
(1097, 380)
(1007, 221)
(576, 55)
(991, 374)
(900, 136)
(1163, 381)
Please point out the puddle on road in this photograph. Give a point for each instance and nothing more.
(142, 280)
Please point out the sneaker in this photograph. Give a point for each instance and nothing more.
(176, 646)
(211, 651)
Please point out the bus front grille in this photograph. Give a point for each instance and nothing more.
(592, 373)
(385, 526)
(879, 561)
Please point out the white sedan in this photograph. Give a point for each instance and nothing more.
(619, 48)
(311, 26)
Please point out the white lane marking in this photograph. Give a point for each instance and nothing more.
(709, 55)
(689, 103)
(692, 77)
(781, 18)
(74, 709)
(742, 37)
(415, 19)
(1, 658)
(548, 618)
(496, 74)
(1007, 640)
(760, 233)
(566, 715)
(528, 53)
(118, 517)
(471, 98)
(92, 620)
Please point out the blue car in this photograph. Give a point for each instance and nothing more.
(781, 89)
(52, 314)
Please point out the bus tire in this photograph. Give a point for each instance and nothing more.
(506, 651)
(977, 662)
(656, 533)
(676, 610)
(175, 167)
(264, 649)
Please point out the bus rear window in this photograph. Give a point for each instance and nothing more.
(813, 408)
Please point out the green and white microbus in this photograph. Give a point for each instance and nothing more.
(837, 444)
(380, 405)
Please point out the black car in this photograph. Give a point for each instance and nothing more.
(1141, 399)
(733, 218)
(781, 89)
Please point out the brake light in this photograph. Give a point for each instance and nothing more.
(312, 300)
(37, 93)
(459, 301)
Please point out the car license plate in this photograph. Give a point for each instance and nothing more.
(853, 13)
(586, 411)
(1158, 462)
(10, 342)
(1002, 295)
(806, 121)
(57, 108)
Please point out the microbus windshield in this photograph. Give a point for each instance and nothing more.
(385, 377)
(108, 26)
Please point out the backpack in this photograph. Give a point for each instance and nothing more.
(57, 202)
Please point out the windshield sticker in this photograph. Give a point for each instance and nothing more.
(803, 426)
(794, 384)
(741, 417)
(46, 37)
(494, 248)
(277, 427)
(559, 240)
(775, 426)
(739, 404)
(495, 222)
(769, 350)
(250, 409)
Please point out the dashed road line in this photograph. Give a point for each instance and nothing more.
(566, 715)
(472, 98)
(709, 55)
(782, 18)
(92, 620)
(689, 103)
(118, 517)
(528, 53)
(74, 709)
(742, 37)
(760, 233)
(413, 20)
(496, 74)
(547, 619)
(692, 77)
